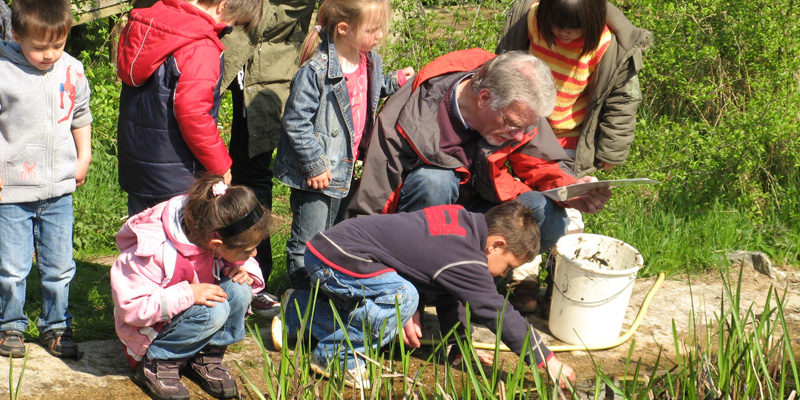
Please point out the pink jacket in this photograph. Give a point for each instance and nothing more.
(150, 278)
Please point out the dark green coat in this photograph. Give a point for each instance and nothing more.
(268, 55)
(608, 130)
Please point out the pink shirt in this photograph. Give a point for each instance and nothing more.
(357, 88)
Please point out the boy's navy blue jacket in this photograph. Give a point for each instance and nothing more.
(170, 63)
(441, 250)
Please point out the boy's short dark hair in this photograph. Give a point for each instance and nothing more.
(244, 13)
(518, 225)
(41, 19)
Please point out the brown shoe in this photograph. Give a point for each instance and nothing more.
(161, 379)
(207, 371)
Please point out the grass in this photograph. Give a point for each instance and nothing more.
(673, 239)
(736, 354)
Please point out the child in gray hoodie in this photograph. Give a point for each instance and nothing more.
(45, 150)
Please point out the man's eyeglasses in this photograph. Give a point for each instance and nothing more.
(509, 127)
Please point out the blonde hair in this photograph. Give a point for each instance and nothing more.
(355, 13)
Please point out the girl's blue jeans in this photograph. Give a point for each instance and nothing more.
(312, 212)
(200, 325)
(368, 307)
(43, 227)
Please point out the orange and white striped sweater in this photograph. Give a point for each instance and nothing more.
(571, 73)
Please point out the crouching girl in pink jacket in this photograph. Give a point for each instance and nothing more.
(183, 283)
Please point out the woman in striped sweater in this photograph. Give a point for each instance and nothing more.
(595, 55)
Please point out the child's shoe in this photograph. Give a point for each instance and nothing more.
(265, 304)
(161, 379)
(59, 343)
(12, 343)
(277, 324)
(357, 377)
(206, 369)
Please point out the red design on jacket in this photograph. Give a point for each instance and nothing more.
(69, 88)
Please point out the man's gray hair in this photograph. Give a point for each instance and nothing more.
(517, 76)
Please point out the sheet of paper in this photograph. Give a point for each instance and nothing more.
(578, 189)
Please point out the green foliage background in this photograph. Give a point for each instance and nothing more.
(718, 125)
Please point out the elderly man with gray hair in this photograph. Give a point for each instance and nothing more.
(471, 130)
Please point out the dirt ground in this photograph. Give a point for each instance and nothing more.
(103, 374)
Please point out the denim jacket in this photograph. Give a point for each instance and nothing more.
(317, 126)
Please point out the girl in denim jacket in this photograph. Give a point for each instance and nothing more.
(328, 116)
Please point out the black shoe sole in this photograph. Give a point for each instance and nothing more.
(145, 385)
(12, 354)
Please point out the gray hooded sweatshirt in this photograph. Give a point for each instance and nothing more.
(38, 111)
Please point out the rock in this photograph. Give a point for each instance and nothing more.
(751, 259)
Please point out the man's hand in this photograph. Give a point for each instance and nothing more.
(320, 181)
(1, 187)
(593, 201)
(564, 372)
(412, 331)
(206, 294)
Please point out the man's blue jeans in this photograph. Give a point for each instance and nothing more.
(44, 227)
(201, 325)
(360, 302)
(428, 186)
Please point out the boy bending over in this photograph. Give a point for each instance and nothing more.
(365, 265)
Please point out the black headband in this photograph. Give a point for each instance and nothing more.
(243, 223)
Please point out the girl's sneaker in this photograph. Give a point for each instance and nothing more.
(206, 369)
(161, 379)
(265, 304)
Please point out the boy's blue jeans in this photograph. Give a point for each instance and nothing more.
(428, 186)
(360, 302)
(201, 325)
(44, 227)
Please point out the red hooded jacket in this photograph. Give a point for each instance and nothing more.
(182, 39)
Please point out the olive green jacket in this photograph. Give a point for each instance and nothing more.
(608, 130)
(268, 55)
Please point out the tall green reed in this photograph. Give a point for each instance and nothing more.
(738, 353)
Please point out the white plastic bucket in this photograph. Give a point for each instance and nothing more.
(593, 281)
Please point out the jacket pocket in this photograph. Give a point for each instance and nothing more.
(27, 169)
(66, 160)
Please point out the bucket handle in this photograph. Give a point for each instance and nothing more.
(607, 299)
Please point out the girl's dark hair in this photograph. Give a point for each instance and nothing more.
(587, 15)
(204, 214)
(41, 19)
(518, 225)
